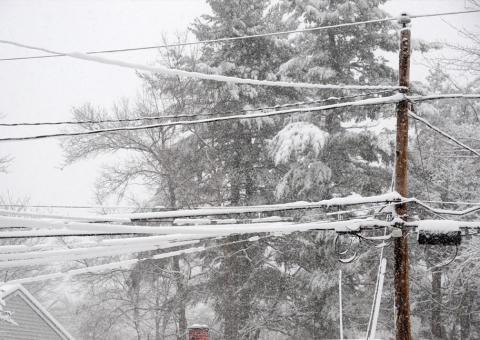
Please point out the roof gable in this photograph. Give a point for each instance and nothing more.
(31, 314)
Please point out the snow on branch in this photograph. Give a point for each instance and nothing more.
(296, 139)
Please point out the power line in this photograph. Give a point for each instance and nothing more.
(120, 120)
(444, 96)
(202, 114)
(125, 263)
(307, 102)
(436, 129)
(444, 13)
(452, 202)
(78, 206)
(464, 212)
(211, 41)
(352, 200)
(72, 254)
(198, 75)
(364, 102)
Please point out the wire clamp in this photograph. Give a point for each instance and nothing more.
(396, 233)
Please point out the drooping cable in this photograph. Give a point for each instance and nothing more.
(365, 102)
(219, 40)
(169, 72)
(194, 115)
(441, 132)
(422, 98)
(419, 147)
(123, 264)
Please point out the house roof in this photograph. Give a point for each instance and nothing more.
(7, 290)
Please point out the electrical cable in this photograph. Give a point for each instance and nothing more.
(452, 202)
(446, 211)
(365, 102)
(419, 147)
(121, 120)
(170, 72)
(113, 207)
(443, 96)
(412, 114)
(441, 264)
(125, 263)
(316, 101)
(211, 41)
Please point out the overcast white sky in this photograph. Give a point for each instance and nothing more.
(47, 89)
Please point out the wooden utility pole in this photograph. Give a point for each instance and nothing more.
(403, 329)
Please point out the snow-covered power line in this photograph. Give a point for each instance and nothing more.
(364, 102)
(86, 218)
(13, 260)
(436, 226)
(65, 255)
(391, 197)
(417, 98)
(227, 39)
(452, 202)
(444, 96)
(40, 227)
(220, 114)
(53, 206)
(90, 243)
(208, 230)
(198, 75)
(447, 211)
(194, 115)
(125, 263)
(183, 216)
(438, 130)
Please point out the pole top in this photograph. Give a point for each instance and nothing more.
(404, 19)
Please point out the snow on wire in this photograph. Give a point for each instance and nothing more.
(364, 102)
(198, 75)
(435, 226)
(125, 264)
(11, 260)
(353, 199)
(201, 114)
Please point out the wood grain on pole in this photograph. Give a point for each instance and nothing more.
(401, 280)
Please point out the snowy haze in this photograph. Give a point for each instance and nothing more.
(47, 89)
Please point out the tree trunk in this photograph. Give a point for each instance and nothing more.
(181, 299)
(236, 297)
(436, 325)
(180, 285)
(230, 318)
(157, 311)
(465, 316)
